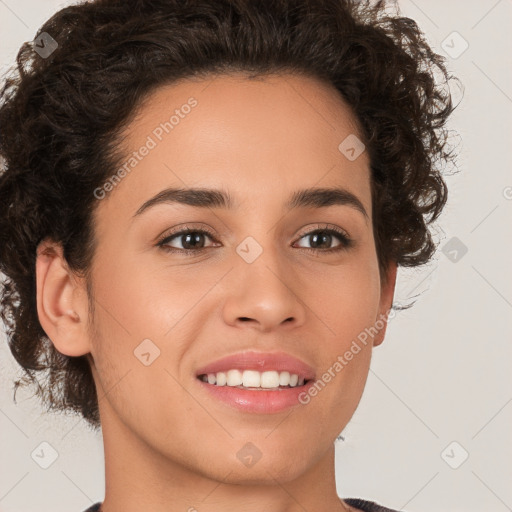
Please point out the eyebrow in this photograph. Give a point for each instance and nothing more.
(217, 198)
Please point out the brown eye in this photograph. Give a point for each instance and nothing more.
(321, 240)
(191, 241)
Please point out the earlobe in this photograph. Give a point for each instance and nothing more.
(386, 301)
(61, 301)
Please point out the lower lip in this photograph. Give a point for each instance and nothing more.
(262, 402)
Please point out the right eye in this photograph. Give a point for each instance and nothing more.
(190, 241)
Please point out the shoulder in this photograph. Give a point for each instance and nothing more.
(367, 506)
(94, 508)
(363, 505)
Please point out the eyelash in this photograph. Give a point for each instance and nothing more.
(345, 241)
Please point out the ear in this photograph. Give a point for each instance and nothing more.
(62, 305)
(386, 301)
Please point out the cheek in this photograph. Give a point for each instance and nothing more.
(140, 302)
(350, 311)
(134, 376)
(347, 301)
(141, 317)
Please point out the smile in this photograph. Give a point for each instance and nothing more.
(252, 379)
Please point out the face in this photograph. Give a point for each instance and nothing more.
(261, 275)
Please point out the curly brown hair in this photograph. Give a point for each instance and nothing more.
(61, 116)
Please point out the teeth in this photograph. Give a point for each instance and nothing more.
(234, 378)
(284, 378)
(270, 380)
(254, 379)
(221, 379)
(251, 379)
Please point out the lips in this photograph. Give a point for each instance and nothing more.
(257, 400)
(259, 361)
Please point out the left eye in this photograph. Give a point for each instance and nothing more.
(325, 236)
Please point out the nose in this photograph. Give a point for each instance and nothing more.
(264, 294)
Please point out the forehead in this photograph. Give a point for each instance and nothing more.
(252, 105)
(253, 137)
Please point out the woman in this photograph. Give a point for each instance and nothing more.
(203, 207)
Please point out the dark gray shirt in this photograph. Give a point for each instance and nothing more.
(365, 506)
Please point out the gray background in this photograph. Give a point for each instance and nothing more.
(439, 388)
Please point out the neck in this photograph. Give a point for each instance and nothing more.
(138, 477)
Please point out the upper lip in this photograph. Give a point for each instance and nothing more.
(260, 361)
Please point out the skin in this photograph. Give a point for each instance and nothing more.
(169, 446)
